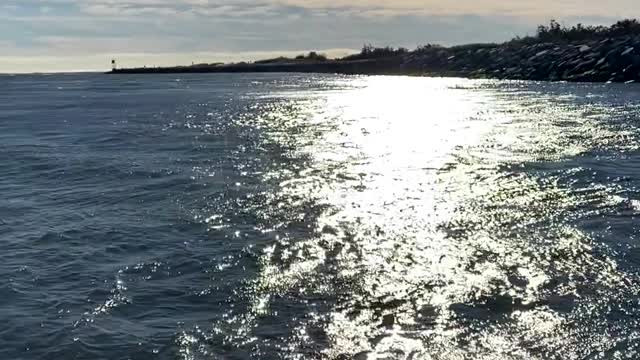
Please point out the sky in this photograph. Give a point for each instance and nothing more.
(74, 35)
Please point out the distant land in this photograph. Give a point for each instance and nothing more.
(554, 53)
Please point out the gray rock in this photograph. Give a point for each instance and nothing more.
(584, 48)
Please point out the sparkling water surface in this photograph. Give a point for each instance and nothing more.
(288, 216)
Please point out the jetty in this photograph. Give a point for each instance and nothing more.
(555, 53)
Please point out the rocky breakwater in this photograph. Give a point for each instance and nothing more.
(602, 55)
(602, 60)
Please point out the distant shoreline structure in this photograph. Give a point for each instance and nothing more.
(555, 53)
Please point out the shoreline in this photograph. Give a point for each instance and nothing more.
(610, 59)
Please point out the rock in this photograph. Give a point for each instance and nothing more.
(587, 74)
(619, 43)
(584, 48)
(512, 70)
(590, 60)
(575, 62)
(586, 63)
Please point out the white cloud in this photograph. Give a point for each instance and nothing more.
(540, 8)
(69, 33)
(558, 8)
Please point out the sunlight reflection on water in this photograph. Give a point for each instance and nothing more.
(309, 216)
(414, 221)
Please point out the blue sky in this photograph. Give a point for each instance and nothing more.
(60, 35)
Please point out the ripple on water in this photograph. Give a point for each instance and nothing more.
(402, 258)
(313, 216)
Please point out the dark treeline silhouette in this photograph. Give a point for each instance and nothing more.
(371, 52)
(310, 57)
(555, 32)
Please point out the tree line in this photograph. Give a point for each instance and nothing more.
(555, 32)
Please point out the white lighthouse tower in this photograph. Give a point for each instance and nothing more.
(113, 65)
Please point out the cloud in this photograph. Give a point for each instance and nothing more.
(557, 8)
(535, 9)
(82, 29)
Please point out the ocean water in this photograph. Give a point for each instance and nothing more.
(288, 216)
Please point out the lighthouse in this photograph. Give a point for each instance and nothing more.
(113, 65)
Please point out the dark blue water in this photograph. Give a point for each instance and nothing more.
(313, 216)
